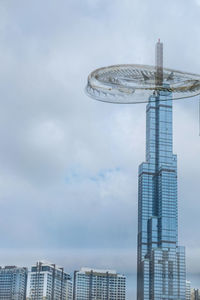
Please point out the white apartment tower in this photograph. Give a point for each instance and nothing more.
(188, 290)
(46, 281)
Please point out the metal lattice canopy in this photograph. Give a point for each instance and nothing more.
(135, 83)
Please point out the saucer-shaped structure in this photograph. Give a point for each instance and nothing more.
(135, 83)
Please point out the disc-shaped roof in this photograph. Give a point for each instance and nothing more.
(135, 83)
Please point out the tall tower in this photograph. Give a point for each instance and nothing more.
(160, 261)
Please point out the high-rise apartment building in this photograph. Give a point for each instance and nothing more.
(195, 294)
(47, 281)
(93, 284)
(188, 290)
(160, 262)
(13, 283)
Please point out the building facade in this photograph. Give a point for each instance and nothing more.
(188, 290)
(160, 261)
(48, 282)
(92, 284)
(195, 294)
(13, 283)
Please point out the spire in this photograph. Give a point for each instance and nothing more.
(159, 63)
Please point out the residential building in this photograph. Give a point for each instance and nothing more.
(195, 294)
(188, 290)
(13, 283)
(94, 284)
(48, 281)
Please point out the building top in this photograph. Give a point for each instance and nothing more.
(42, 266)
(47, 264)
(12, 268)
(100, 272)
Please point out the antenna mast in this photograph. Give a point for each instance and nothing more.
(159, 63)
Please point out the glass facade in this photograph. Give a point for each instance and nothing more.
(91, 284)
(13, 283)
(160, 262)
(47, 281)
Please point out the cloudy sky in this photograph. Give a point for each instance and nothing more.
(68, 164)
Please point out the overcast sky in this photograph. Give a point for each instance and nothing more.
(68, 164)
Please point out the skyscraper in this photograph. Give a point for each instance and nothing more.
(13, 283)
(160, 261)
(47, 281)
(92, 284)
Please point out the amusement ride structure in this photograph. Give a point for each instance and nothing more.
(133, 83)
